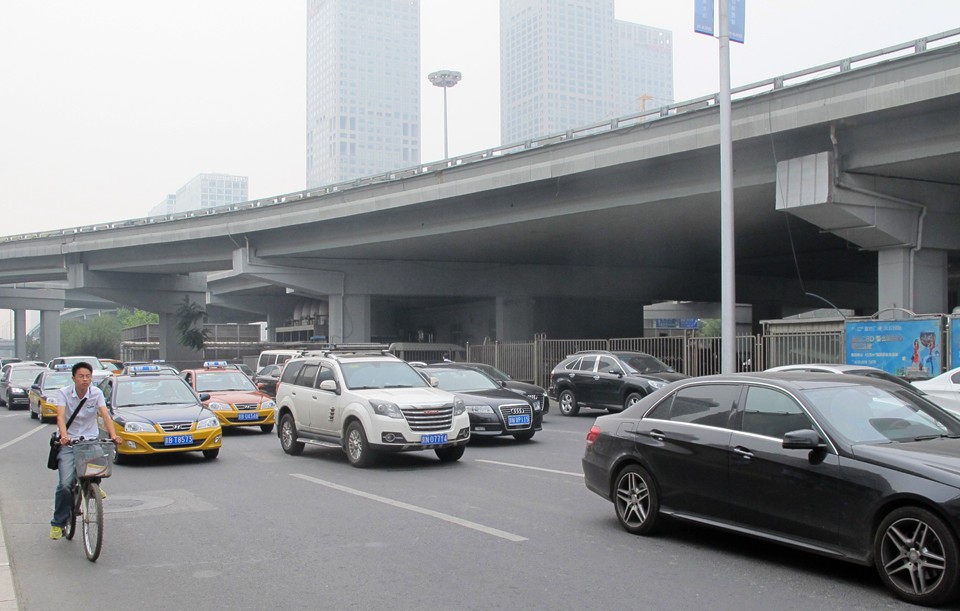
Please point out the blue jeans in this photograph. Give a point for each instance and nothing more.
(63, 499)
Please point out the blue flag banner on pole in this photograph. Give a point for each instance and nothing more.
(703, 16)
(737, 17)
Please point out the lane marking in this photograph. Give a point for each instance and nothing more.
(22, 437)
(401, 505)
(507, 464)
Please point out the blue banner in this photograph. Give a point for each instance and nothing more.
(906, 348)
(703, 17)
(737, 18)
(954, 341)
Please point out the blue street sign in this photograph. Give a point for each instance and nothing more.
(703, 17)
(737, 17)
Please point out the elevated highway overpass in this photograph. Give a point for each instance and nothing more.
(847, 188)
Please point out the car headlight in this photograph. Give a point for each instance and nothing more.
(268, 405)
(479, 409)
(17, 391)
(207, 423)
(655, 385)
(386, 408)
(139, 427)
(217, 406)
(458, 406)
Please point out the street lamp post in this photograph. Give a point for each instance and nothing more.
(444, 79)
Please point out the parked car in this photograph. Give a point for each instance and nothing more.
(493, 409)
(946, 385)
(951, 405)
(849, 467)
(40, 396)
(607, 380)
(15, 382)
(233, 397)
(266, 379)
(532, 391)
(366, 402)
(158, 413)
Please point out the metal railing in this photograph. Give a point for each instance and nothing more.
(915, 47)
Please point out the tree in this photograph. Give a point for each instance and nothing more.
(98, 336)
(189, 316)
(135, 318)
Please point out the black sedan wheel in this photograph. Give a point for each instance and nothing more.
(917, 557)
(568, 403)
(637, 501)
(632, 399)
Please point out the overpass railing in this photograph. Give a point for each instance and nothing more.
(920, 45)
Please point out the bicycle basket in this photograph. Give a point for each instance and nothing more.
(94, 458)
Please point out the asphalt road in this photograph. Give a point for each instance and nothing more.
(509, 526)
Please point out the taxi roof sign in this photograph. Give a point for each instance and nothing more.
(209, 364)
(144, 368)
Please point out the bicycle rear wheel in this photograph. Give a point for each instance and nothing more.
(71, 526)
(92, 522)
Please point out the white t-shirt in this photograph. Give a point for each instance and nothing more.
(85, 424)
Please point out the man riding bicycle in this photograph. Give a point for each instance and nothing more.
(90, 402)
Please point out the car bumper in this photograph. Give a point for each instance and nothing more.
(18, 401)
(157, 443)
(490, 425)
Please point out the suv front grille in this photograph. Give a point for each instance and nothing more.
(423, 419)
(171, 427)
(516, 409)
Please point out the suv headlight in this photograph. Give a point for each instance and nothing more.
(479, 409)
(217, 406)
(458, 406)
(139, 427)
(655, 385)
(207, 423)
(386, 408)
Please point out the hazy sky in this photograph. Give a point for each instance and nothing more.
(108, 105)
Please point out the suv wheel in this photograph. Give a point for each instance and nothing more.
(632, 398)
(450, 454)
(568, 403)
(288, 436)
(355, 443)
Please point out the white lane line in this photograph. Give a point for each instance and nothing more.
(401, 505)
(507, 464)
(22, 437)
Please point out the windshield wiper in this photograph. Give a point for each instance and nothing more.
(929, 437)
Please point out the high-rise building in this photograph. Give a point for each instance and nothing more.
(363, 88)
(566, 64)
(204, 191)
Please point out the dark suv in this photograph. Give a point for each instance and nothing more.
(607, 380)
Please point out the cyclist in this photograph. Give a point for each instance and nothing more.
(84, 425)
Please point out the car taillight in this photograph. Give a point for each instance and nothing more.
(593, 434)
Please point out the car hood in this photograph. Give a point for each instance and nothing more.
(161, 413)
(420, 396)
(492, 397)
(936, 459)
(524, 387)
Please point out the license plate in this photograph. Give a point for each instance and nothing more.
(178, 440)
(248, 416)
(429, 440)
(518, 420)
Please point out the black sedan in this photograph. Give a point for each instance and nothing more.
(493, 410)
(534, 393)
(856, 469)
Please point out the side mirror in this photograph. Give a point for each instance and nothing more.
(330, 385)
(204, 397)
(804, 439)
(35, 387)
(434, 382)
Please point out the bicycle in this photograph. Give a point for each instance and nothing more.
(93, 458)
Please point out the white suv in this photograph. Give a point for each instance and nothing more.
(366, 401)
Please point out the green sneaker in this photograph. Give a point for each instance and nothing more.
(56, 532)
(103, 494)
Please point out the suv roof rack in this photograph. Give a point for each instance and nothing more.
(343, 349)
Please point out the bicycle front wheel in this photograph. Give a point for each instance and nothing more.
(92, 520)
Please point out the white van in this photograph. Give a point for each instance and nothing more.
(276, 357)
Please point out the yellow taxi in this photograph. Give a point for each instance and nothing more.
(158, 413)
(234, 398)
(40, 394)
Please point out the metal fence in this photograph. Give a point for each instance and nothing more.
(691, 355)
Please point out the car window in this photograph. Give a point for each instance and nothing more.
(290, 372)
(955, 378)
(223, 380)
(462, 380)
(606, 364)
(771, 413)
(586, 364)
(381, 374)
(153, 391)
(325, 373)
(706, 404)
(307, 374)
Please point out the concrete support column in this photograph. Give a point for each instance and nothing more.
(916, 281)
(49, 335)
(274, 320)
(514, 319)
(20, 334)
(171, 350)
(349, 319)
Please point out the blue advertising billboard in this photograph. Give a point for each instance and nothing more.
(907, 348)
(954, 341)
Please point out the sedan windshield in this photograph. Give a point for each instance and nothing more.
(148, 391)
(24, 376)
(56, 380)
(462, 380)
(224, 380)
(867, 414)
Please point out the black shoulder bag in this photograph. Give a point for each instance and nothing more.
(53, 459)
